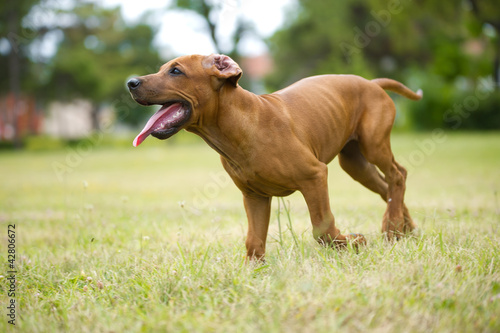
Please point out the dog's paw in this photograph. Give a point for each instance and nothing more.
(416, 232)
(356, 239)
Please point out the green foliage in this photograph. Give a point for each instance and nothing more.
(18, 36)
(210, 12)
(465, 106)
(440, 42)
(473, 113)
(307, 45)
(97, 55)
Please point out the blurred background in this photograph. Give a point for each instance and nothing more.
(64, 63)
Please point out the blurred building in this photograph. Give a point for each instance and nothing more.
(255, 69)
(69, 120)
(19, 118)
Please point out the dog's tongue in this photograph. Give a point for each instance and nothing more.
(155, 121)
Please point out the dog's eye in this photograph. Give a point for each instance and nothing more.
(175, 71)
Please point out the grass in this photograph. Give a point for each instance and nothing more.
(151, 239)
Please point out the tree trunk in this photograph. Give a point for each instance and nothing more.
(94, 114)
(14, 71)
(496, 62)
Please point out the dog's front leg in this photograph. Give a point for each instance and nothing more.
(315, 192)
(258, 211)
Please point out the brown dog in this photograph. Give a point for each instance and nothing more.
(273, 145)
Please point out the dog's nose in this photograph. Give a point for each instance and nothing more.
(133, 83)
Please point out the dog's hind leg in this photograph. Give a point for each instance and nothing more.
(409, 225)
(355, 164)
(374, 143)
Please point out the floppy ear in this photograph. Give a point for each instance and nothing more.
(224, 68)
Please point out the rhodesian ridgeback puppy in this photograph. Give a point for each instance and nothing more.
(276, 144)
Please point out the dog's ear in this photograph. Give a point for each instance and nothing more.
(224, 68)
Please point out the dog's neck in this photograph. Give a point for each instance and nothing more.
(228, 132)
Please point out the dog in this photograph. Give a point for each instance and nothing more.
(279, 143)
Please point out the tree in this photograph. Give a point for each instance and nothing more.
(97, 54)
(209, 11)
(17, 39)
(487, 12)
(309, 43)
(372, 38)
(441, 47)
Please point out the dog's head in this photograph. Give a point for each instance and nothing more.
(187, 89)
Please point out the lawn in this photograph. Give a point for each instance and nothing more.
(151, 239)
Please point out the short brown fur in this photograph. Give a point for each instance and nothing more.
(273, 145)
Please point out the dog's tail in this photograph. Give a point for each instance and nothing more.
(399, 88)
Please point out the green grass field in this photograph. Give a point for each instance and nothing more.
(151, 239)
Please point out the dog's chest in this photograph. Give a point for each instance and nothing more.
(256, 178)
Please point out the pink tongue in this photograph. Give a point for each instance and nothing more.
(154, 121)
